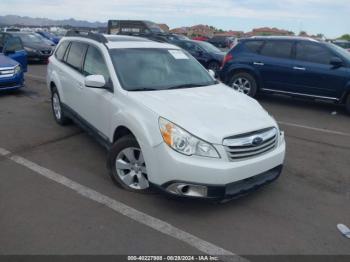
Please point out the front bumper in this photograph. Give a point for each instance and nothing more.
(221, 177)
(12, 83)
(37, 57)
(219, 192)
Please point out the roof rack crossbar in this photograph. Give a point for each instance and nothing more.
(86, 34)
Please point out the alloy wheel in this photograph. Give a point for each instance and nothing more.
(56, 106)
(242, 85)
(131, 168)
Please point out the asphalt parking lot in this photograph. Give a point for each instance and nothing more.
(41, 213)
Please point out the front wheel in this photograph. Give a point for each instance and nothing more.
(244, 83)
(128, 167)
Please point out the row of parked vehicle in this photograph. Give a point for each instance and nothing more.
(295, 66)
(16, 49)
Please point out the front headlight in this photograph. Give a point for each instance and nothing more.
(184, 142)
(17, 69)
(28, 49)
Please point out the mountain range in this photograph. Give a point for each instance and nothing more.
(9, 20)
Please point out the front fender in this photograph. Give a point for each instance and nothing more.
(140, 120)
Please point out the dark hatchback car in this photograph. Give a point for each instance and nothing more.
(38, 49)
(221, 41)
(289, 65)
(207, 54)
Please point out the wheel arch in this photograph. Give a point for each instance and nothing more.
(245, 69)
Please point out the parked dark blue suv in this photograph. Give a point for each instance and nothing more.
(289, 65)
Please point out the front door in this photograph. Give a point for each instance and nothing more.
(96, 108)
(314, 73)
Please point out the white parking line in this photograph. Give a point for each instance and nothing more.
(142, 218)
(333, 132)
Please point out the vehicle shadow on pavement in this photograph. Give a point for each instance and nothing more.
(302, 103)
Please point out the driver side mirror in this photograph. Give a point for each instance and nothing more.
(95, 81)
(336, 62)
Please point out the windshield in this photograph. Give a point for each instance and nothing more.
(343, 52)
(154, 27)
(208, 47)
(158, 69)
(30, 38)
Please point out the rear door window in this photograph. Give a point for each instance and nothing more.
(61, 50)
(278, 49)
(253, 46)
(313, 52)
(76, 55)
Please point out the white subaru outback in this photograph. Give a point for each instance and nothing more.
(166, 121)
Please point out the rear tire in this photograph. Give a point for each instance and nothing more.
(347, 104)
(128, 167)
(244, 83)
(57, 109)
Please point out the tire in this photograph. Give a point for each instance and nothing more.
(127, 165)
(244, 83)
(347, 104)
(57, 110)
(215, 66)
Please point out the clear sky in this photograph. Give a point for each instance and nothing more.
(330, 17)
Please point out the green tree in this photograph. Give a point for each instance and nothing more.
(345, 37)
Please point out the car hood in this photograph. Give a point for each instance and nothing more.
(38, 46)
(7, 62)
(211, 113)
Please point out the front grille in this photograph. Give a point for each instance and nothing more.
(251, 144)
(46, 52)
(6, 72)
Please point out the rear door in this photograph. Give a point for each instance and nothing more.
(314, 73)
(275, 65)
(72, 76)
(13, 48)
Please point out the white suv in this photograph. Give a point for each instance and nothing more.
(166, 121)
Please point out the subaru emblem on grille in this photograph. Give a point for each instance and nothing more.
(257, 141)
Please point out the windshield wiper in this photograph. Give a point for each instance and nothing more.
(188, 86)
(142, 89)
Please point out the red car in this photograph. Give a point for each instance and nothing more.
(200, 38)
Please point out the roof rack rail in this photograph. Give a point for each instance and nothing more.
(86, 34)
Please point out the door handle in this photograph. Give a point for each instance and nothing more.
(299, 68)
(258, 63)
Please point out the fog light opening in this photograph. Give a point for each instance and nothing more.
(182, 189)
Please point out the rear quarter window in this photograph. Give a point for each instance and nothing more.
(61, 50)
